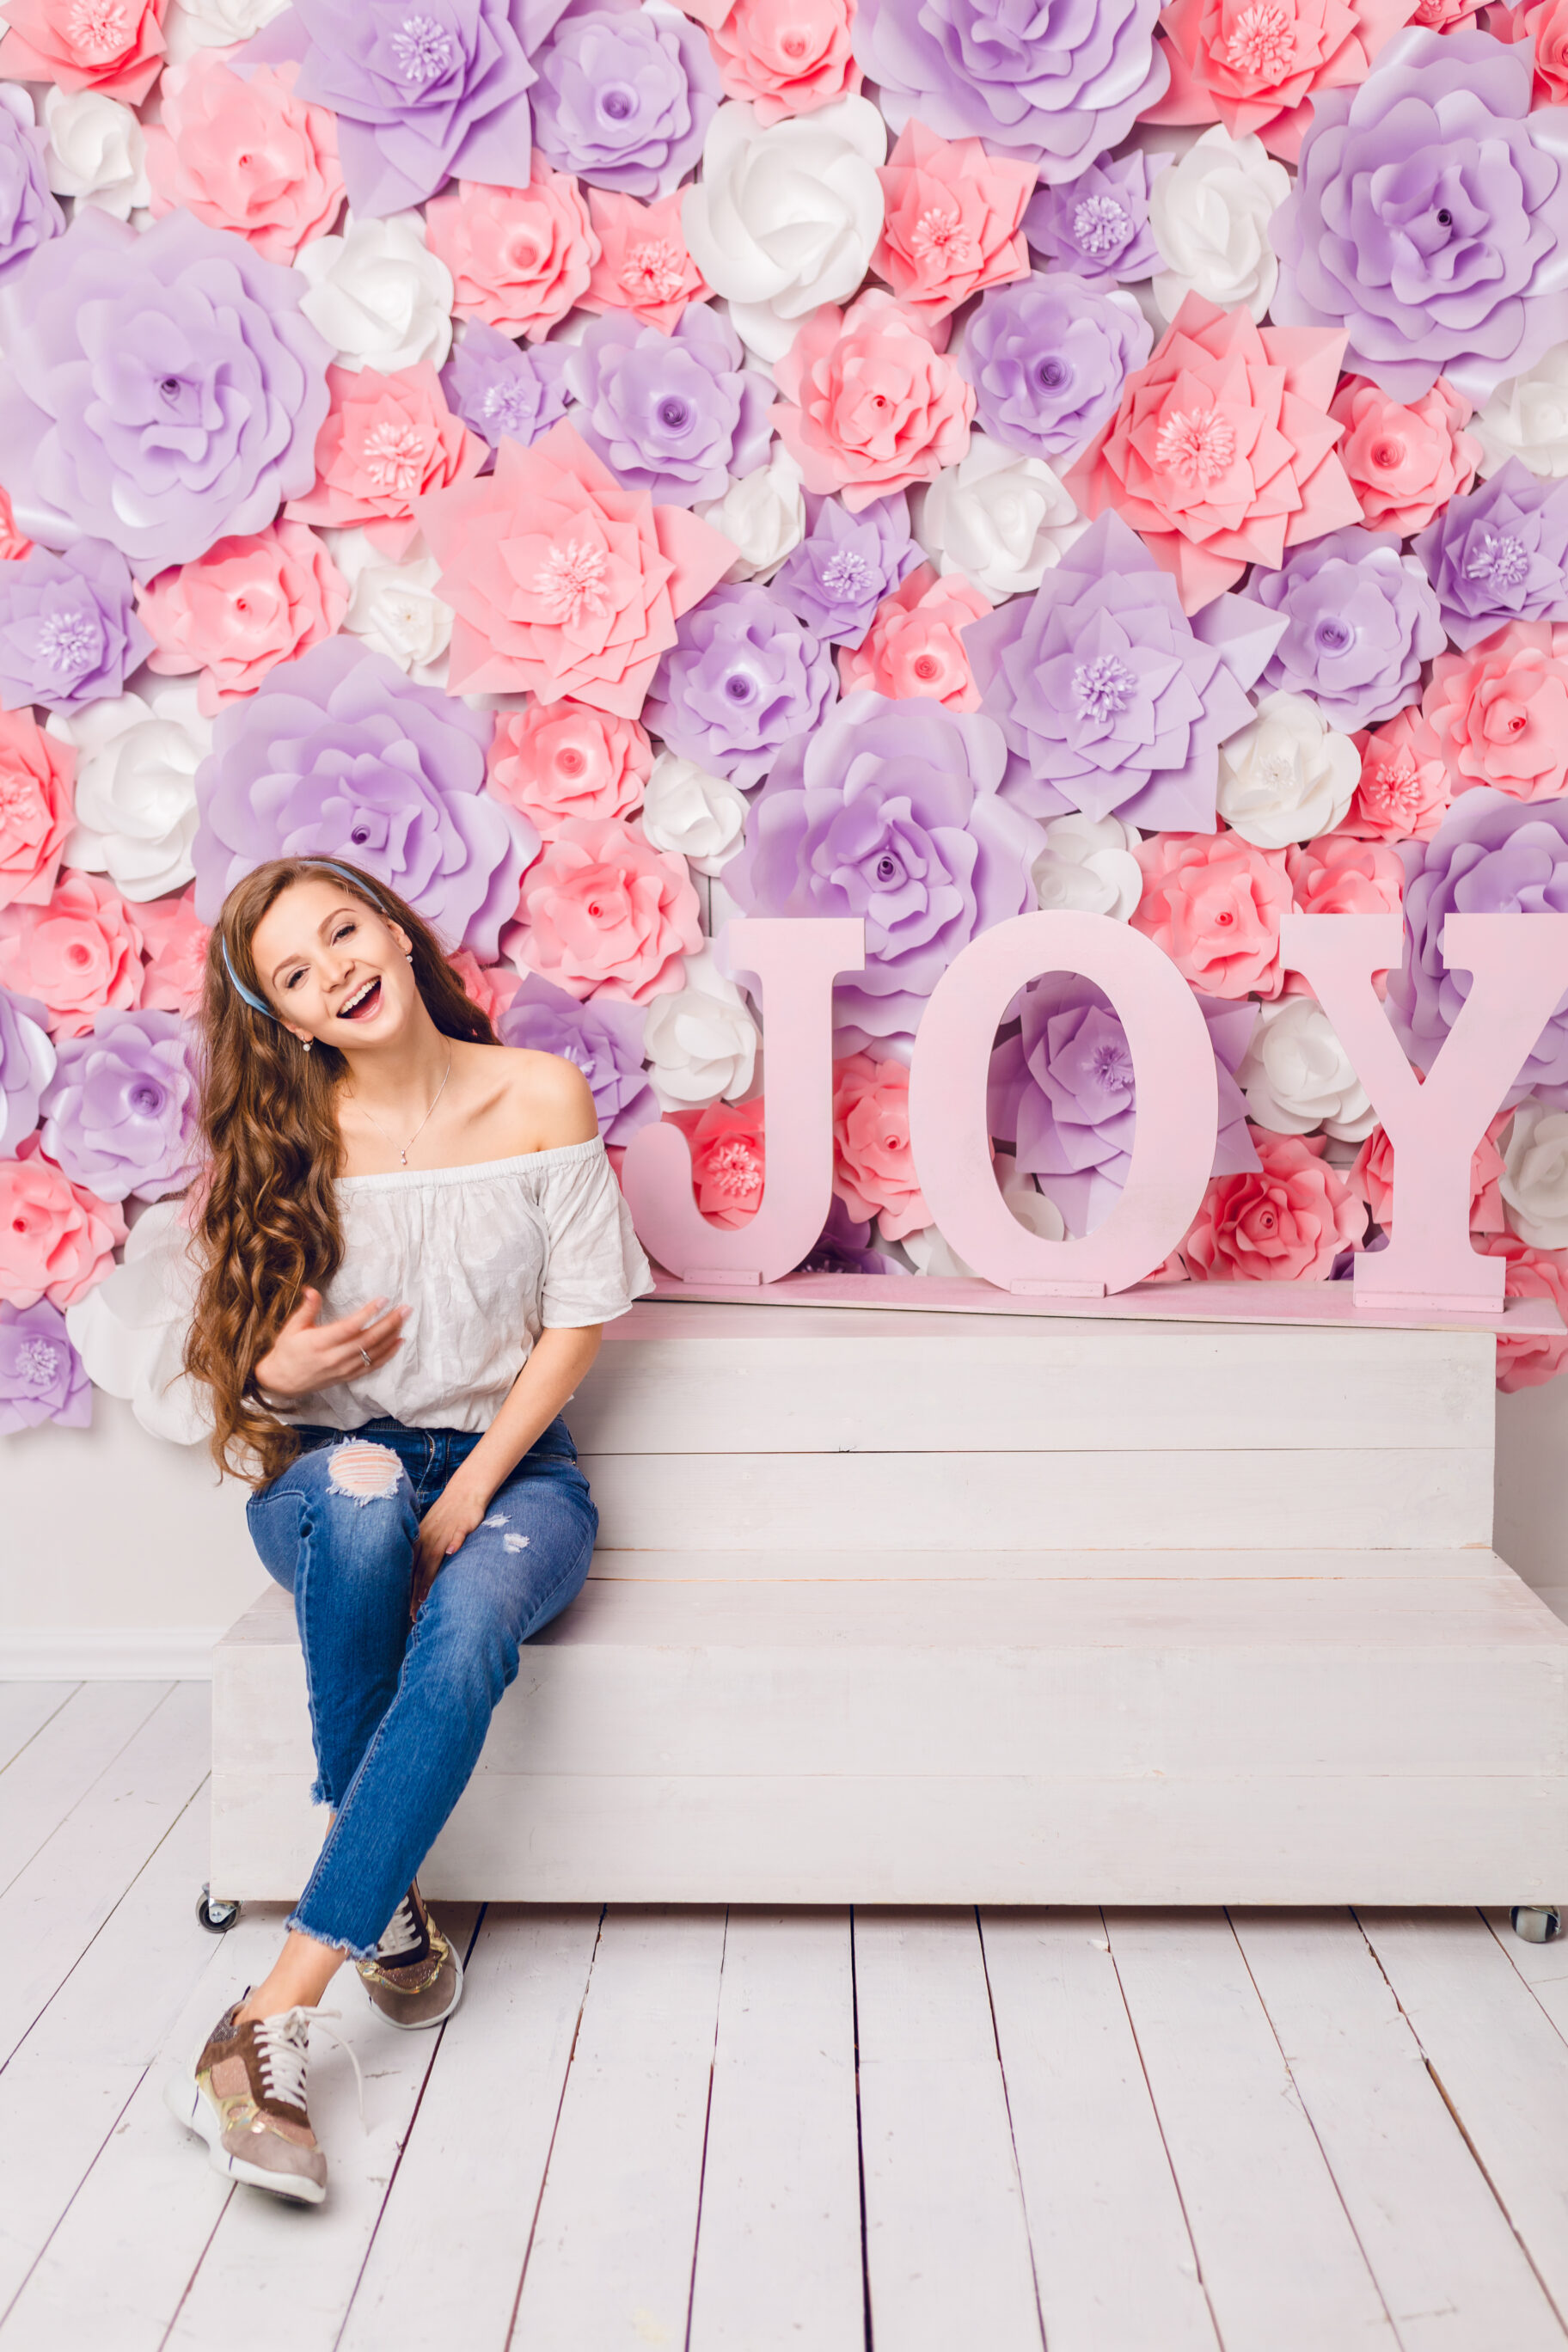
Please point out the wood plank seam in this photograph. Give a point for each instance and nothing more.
(544, 2170)
(1012, 2132)
(38, 1728)
(1506, 1944)
(707, 2124)
(859, 2141)
(107, 1766)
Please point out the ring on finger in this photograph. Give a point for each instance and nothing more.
(365, 1353)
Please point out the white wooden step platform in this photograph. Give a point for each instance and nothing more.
(953, 1609)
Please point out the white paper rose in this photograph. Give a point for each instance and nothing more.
(1087, 868)
(1297, 1077)
(193, 24)
(135, 789)
(1527, 417)
(379, 295)
(395, 607)
(701, 1043)
(1001, 518)
(1288, 776)
(763, 515)
(129, 1330)
(1535, 1175)
(1210, 214)
(930, 1252)
(95, 152)
(701, 817)
(785, 218)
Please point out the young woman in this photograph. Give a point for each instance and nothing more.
(408, 1238)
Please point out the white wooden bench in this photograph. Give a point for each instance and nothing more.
(927, 1609)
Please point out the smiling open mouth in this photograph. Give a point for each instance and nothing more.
(364, 1004)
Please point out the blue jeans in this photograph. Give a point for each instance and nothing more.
(399, 1713)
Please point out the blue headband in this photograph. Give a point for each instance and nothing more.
(256, 1002)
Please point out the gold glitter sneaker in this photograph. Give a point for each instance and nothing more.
(417, 1978)
(244, 2094)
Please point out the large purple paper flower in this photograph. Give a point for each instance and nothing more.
(1054, 83)
(339, 755)
(30, 215)
(42, 1378)
(673, 414)
(1112, 700)
(1499, 554)
(1063, 1089)
(604, 1040)
(119, 1113)
(624, 99)
(1490, 856)
(1360, 620)
(891, 811)
(844, 1247)
(1098, 225)
(1048, 357)
(26, 1065)
(1428, 218)
(68, 630)
(162, 391)
(423, 91)
(834, 579)
(501, 391)
(741, 677)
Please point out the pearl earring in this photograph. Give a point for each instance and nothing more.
(305, 1045)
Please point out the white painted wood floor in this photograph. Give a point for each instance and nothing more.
(1121, 2132)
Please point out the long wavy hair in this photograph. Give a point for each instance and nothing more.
(265, 1219)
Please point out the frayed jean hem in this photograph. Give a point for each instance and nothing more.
(297, 1925)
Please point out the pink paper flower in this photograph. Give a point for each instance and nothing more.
(520, 257)
(490, 986)
(386, 441)
(1545, 25)
(786, 57)
(873, 1167)
(1404, 464)
(13, 545)
(1256, 65)
(36, 812)
(244, 153)
(564, 583)
(1339, 874)
(914, 646)
(643, 265)
(876, 407)
(1526, 1359)
(729, 1159)
(607, 915)
(57, 1239)
(1404, 791)
(1500, 713)
(1371, 1179)
(173, 951)
(1222, 451)
(1213, 903)
(952, 224)
(1288, 1222)
(115, 46)
(245, 605)
(77, 955)
(555, 761)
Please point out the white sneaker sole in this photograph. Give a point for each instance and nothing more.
(183, 2097)
(424, 2024)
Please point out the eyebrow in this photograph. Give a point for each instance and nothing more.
(322, 927)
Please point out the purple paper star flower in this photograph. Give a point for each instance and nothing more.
(624, 99)
(743, 677)
(1064, 1091)
(1499, 554)
(30, 215)
(1048, 357)
(68, 630)
(604, 1040)
(26, 1065)
(1098, 225)
(1112, 700)
(503, 391)
(890, 811)
(119, 1113)
(338, 754)
(834, 579)
(162, 391)
(1360, 620)
(42, 1378)
(844, 1247)
(673, 414)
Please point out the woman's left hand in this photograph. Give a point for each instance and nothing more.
(451, 1518)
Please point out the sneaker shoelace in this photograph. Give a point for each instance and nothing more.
(282, 2042)
(402, 1934)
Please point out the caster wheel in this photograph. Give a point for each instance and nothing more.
(1534, 1924)
(217, 1918)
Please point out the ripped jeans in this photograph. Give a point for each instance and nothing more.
(399, 1713)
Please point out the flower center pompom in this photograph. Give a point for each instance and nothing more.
(1262, 42)
(733, 1167)
(20, 799)
(1500, 560)
(38, 1363)
(69, 642)
(1395, 786)
(652, 270)
(847, 577)
(570, 581)
(97, 28)
(423, 50)
(1101, 226)
(942, 236)
(508, 405)
(1104, 688)
(393, 456)
(1197, 442)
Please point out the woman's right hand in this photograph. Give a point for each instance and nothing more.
(308, 1355)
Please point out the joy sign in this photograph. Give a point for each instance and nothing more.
(1519, 975)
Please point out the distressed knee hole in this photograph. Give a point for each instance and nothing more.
(366, 1473)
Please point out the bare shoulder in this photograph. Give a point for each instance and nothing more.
(533, 1102)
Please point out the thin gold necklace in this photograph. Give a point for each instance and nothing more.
(424, 1123)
